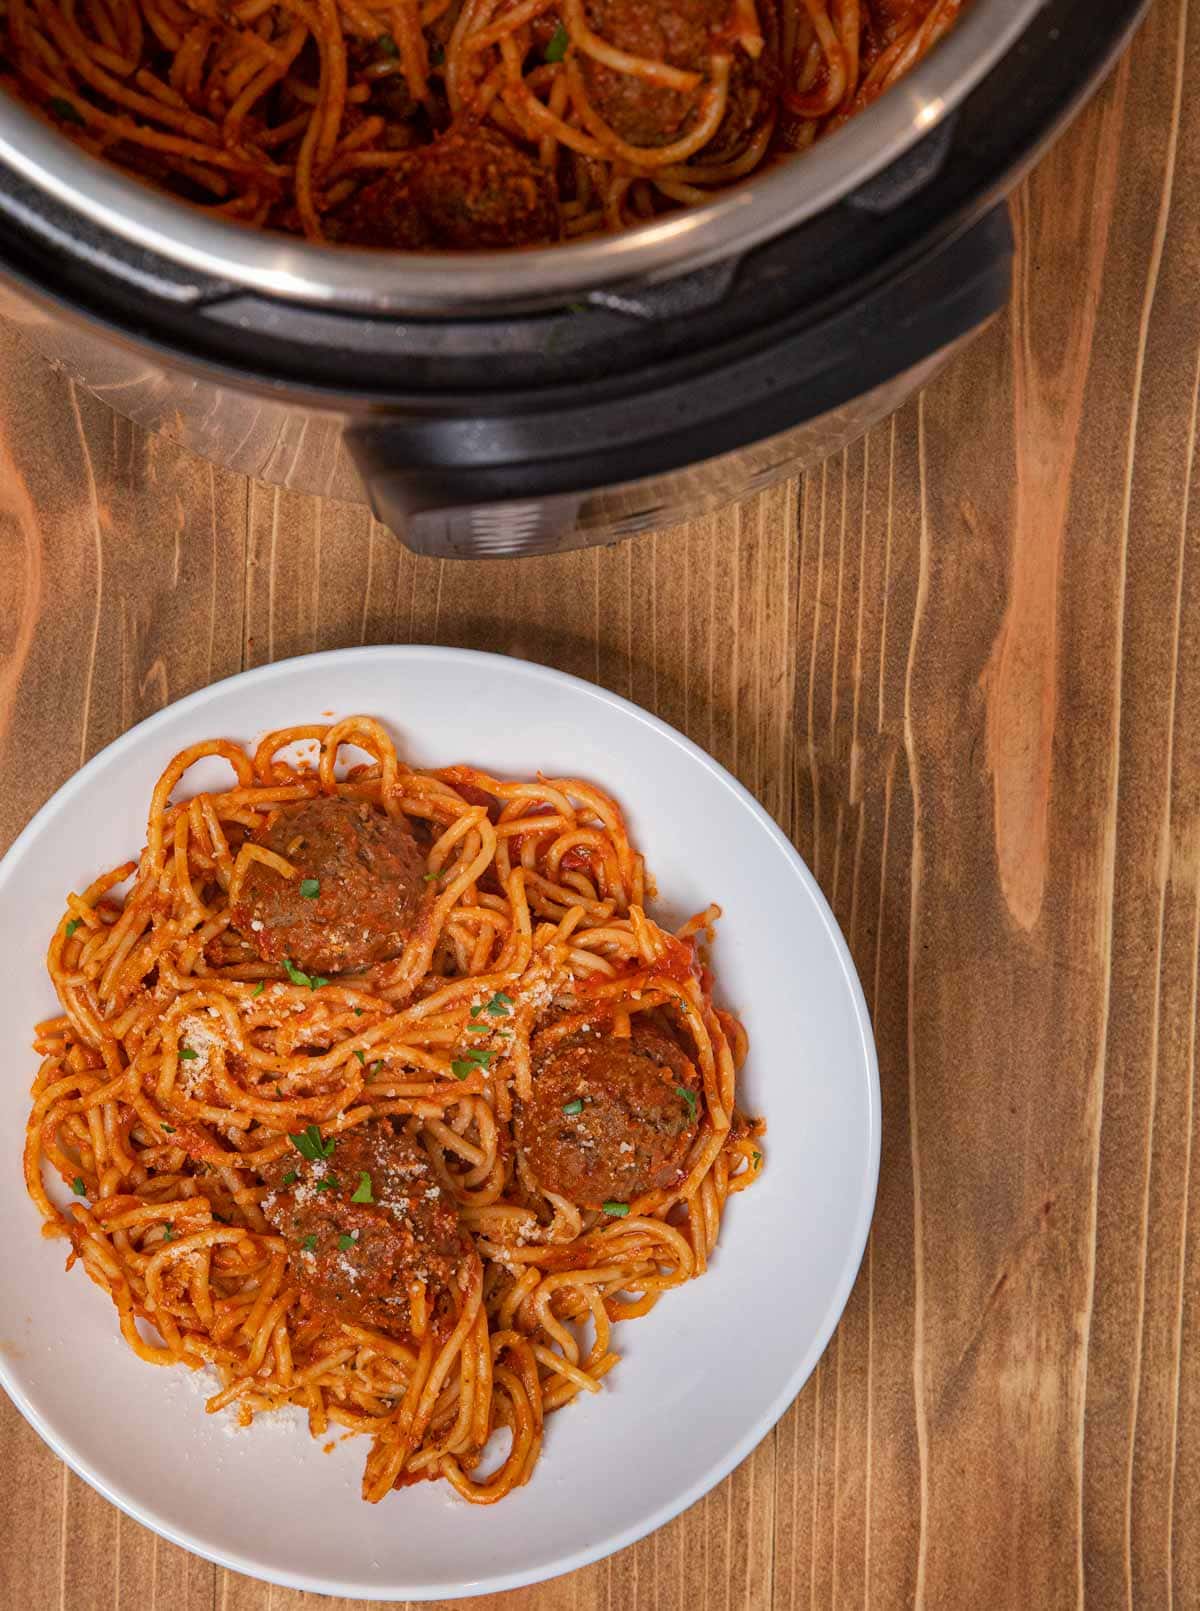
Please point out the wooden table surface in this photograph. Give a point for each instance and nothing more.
(961, 665)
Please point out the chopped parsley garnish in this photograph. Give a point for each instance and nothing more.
(168, 1232)
(309, 1243)
(689, 1097)
(169, 1128)
(72, 926)
(499, 1006)
(65, 110)
(362, 1056)
(290, 1178)
(375, 1067)
(386, 45)
(574, 1107)
(327, 1183)
(557, 48)
(259, 988)
(78, 1187)
(362, 1192)
(311, 981)
(311, 1145)
(470, 1061)
(310, 888)
(187, 1054)
(358, 1012)
(345, 1241)
(757, 1156)
(617, 1210)
(479, 1029)
(432, 878)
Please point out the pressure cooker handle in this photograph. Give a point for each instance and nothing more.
(490, 481)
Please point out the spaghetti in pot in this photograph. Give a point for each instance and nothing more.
(435, 124)
(413, 1195)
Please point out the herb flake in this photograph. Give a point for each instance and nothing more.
(310, 1144)
(310, 888)
(617, 1210)
(574, 1107)
(689, 1097)
(470, 1060)
(557, 48)
(305, 980)
(308, 1243)
(72, 926)
(362, 1192)
(187, 1055)
(78, 1187)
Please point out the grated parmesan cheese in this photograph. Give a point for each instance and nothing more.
(197, 1035)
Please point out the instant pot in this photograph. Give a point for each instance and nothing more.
(523, 402)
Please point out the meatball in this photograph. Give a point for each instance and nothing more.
(358, 892)
(471, 188)
(384, 213)
(357, 1260)
(645, 114)
(609, 1119)
(476, 189)
(640, 112)
(754, 89)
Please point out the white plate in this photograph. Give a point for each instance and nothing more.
(702, 1378)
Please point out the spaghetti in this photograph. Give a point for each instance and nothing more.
(328, 117)
(413, 1197)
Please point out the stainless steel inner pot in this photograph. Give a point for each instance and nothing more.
(444, 283)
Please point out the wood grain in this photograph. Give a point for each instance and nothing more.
(960, 664)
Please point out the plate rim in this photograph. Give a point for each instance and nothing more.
(807, 1362)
